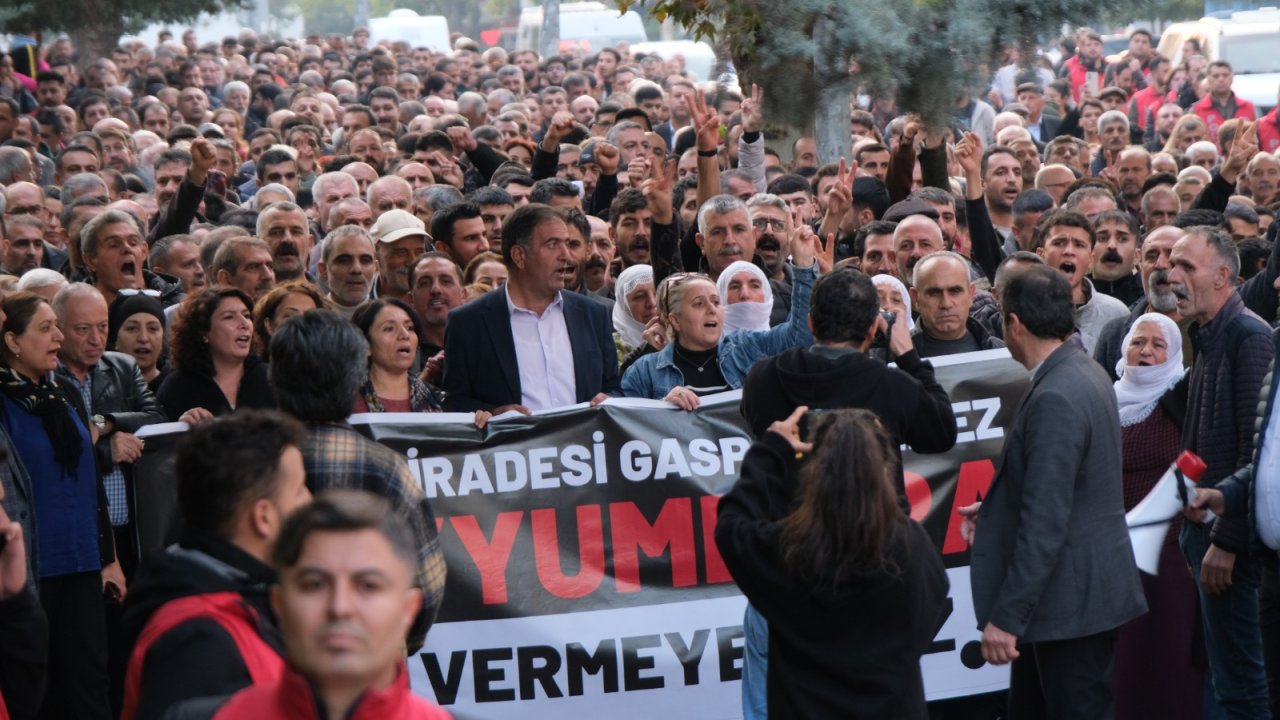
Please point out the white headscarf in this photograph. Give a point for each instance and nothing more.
(889, 281)
(745, 315)
(1141, 387)
(631, 329)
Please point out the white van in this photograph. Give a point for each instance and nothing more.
(1248, 40)
(587, 26)
(431, 31)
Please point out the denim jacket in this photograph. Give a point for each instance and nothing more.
(654, 375)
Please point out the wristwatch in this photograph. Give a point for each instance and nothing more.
(101, 422)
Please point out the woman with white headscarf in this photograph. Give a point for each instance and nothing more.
(746, 296)
(1154, 675)
(636, 305)
(894, 296)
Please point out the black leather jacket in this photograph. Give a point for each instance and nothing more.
(121, 396)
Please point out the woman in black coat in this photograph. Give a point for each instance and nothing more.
(853, 590)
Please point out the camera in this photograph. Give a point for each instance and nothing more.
(881, 339)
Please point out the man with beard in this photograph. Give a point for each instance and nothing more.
(400, 239)
(495, 205)
(1088, 59)
(348, 267)
(579, 247)
(631, 227)
(1157, 135)
(1159, 207)
(1113, 131)
(1153, 268)
(1002, 180)
(915, 237)
(1132, 168)
(437, 290)
(21, 244)
(285, 229)
(771, 224)
(1264, 176)
(1065, 239)
(598, 259)
(244, 263)
(459, 231)
(1114, 256)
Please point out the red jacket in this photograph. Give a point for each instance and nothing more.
(292, 697)
(1142, 101)
(1209, 114)
(1269, 132)
(230, 611)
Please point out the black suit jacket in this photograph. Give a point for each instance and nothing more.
(480, 369)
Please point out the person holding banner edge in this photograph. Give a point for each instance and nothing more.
(1052, 570)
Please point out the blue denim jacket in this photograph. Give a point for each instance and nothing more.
(654, 375)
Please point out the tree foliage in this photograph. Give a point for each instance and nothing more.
(70, 16)
(925, 53)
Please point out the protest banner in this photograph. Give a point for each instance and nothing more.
(583, 573)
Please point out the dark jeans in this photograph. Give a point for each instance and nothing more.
(1232, 635)
(77, 648)
(1063, 679)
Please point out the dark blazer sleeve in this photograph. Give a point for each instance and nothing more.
(986, 248)
(1054, 433)
(1252, 359)
(1215, 195)
(1258, 292)
(474, 378)
(610, 381)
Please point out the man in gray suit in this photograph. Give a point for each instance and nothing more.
(1052, 571)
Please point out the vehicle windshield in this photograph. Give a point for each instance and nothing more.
(1251, 54)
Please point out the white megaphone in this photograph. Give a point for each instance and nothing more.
(1149, 520)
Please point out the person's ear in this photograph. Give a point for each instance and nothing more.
(915, 296)
(697, 238)
(413, 603)
(518, 256)
(264, 518)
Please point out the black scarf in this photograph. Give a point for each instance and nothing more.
(47, 401)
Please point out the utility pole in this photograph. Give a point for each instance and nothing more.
(550, 28)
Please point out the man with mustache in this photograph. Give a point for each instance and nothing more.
(1066, 239)
(631, 227)
(1114, 256)
(1264, 177)
(771, 223)
(285, 229)
(1153, 270)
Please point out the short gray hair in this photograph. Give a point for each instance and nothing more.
(612, 136)
(338, 233)
(285, 206)
(768, 200)
(1221, 244)
(271, 187)
(41, 278)
(1113, 116)
(70, 291)
(323, 182)
(89, 233)
(718, 205)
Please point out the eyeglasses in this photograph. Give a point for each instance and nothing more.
(671, 282)
(764, 223)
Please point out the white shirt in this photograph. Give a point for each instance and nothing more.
(1266, 482)
(544, 355)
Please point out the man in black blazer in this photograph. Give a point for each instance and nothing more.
(1052, 571)
(529, 346)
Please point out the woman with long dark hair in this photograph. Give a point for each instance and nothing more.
(852, 588)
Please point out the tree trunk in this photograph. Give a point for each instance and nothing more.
(95, 39)
(831, 126)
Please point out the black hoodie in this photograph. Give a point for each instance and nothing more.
(908, 399)
(197, 658)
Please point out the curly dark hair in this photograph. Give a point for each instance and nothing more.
(187, 345)
(268, 305)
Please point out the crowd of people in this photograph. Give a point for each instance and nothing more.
(259, 238)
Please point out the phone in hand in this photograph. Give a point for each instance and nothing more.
(1092, 84)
